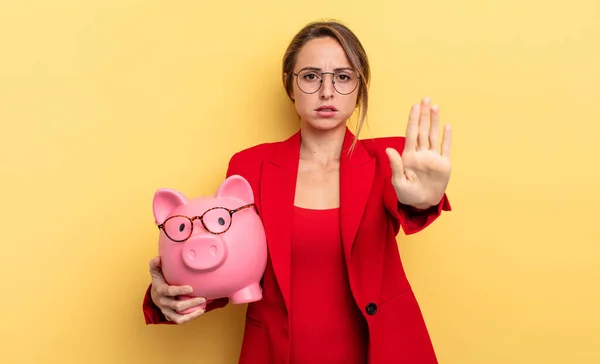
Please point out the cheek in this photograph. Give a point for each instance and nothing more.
(349, 105)
(303, 103)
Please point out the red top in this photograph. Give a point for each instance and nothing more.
(320, 290)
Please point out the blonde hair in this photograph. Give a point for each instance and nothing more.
(352, 47)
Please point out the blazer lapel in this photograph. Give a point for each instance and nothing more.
(357, 171)
(278, 186)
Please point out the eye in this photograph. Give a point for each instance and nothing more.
(178, 228)
(344, 77)
(311, 76)
(221, 221)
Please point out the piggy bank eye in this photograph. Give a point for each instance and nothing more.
(178, 228)
(217, 220)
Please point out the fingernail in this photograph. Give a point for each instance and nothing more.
(201, 300)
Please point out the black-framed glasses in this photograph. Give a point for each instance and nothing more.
(216, 220)
(310, 80)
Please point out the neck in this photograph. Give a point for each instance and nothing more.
(323, 147)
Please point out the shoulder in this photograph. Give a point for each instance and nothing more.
(376, 146)
(250, 158)
(254, 153)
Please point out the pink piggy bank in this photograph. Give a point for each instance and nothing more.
(215, 244)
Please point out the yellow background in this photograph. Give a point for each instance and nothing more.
(103, 102)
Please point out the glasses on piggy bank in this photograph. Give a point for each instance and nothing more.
(216, 220)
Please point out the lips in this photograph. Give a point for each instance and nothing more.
(326, 108)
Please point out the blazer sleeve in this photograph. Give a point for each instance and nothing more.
(412, 220)
(153, 314)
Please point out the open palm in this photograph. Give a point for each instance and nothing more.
(421, 174)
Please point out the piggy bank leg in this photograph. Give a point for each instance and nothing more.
(247, 294)
(191, 309)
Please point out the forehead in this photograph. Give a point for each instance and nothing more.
(324, 53)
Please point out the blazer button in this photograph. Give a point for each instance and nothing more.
(371, 309)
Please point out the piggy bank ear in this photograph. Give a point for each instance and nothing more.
(237, 187)
(165, 201)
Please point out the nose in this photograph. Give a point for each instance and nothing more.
(326, 86)
(204, 252)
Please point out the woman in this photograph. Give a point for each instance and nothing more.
(334, 290)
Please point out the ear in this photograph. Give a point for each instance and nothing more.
(237, 187)
(165, 201)
(291, 93)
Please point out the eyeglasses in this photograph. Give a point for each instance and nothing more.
(344, 81)
(216, 220)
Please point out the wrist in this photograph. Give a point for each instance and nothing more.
(418, 206)
(425, 205)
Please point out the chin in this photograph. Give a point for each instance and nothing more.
(324, 124)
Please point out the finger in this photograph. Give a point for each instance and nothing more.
(184, 304)
(157, 276)
(434, 132)
(423, 139)
(179, 290)
(446, 141)
(169, 303)
(412, 128)
(154, 263)
(155, 270)
(190, 316)
(179, 319)
(395, 162)
(171, 315)
(172, 291)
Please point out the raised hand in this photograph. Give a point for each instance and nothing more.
(420, 176)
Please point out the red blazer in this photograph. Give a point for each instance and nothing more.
(371, 218)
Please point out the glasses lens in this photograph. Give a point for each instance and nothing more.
(217, 220)
(345, 81)
(309, 81)
(178, 228)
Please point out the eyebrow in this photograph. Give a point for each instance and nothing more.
(320, 69)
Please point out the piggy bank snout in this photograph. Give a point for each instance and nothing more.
(204, 252)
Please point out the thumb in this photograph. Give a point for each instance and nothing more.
(155, 266)
(155, 262)
(395, 162)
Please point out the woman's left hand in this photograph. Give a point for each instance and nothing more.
(420, 176)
